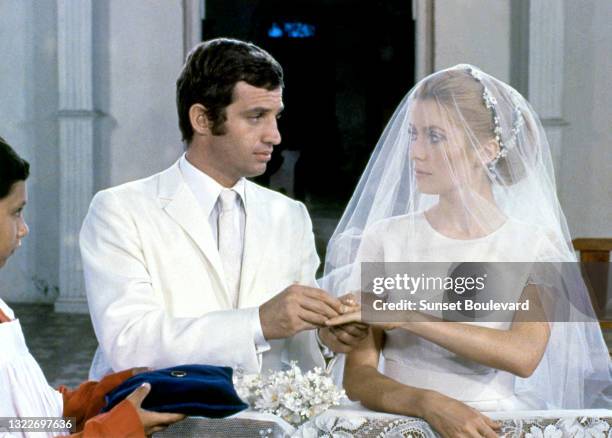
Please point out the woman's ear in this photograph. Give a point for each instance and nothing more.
(199, 120)
(490, 150)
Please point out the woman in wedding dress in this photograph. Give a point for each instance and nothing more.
(463, 175)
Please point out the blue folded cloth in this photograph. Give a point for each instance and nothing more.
(201, 390)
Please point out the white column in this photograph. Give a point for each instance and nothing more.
(193, 13)
(423, 15)
(76, 121)
(546, 47)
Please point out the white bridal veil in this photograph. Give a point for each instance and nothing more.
(465, 138)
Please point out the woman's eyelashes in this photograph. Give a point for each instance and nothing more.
(433, 136)
(413, 134)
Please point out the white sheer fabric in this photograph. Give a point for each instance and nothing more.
(463, 172)
(24, 391)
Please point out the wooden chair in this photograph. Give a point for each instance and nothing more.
(597, 250)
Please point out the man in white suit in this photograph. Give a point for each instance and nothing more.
(197, 264)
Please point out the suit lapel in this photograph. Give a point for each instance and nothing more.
(256, 239)
(180, 204)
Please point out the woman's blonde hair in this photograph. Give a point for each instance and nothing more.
(462, 94)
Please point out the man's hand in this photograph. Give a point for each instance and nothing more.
(296, 309)
(343, 338)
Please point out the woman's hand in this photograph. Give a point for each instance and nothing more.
(349, 303)
(152, 421)
(354, 316)
(345, 337)
(454, 419)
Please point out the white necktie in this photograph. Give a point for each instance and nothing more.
(229, 242)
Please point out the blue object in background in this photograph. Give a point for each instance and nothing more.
(275, 31)
(293, 29)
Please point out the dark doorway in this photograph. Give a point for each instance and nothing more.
(347, 64)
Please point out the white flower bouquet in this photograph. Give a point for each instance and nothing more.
(292, 395)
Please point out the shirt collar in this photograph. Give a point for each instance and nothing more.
(206, 189)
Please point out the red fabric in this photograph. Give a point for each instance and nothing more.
(121, 422)
(87, 400)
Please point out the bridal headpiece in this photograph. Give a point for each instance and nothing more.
(491, 104)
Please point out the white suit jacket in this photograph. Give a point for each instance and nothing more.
(154, 277)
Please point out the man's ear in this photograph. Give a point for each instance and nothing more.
(199, 120)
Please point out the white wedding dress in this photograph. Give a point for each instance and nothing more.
(470, 144)
(414, 361)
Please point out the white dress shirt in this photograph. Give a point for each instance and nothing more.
(206, 191)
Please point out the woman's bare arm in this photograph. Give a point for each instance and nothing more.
(517, 350)
(363, 382)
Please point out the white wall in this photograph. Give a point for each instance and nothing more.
(473, 32)
(138, 50)
(486, 33)
(585, 178)
(28, 80)
(138, 53)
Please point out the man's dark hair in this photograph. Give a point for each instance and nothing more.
(210, 73)
(13, 168)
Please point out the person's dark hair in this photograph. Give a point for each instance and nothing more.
(210, 73)
(13, 168)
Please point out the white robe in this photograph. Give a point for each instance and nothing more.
(24, 391)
